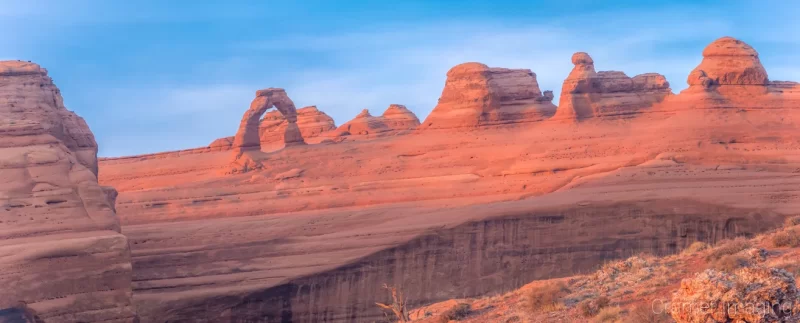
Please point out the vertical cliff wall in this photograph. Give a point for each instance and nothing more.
(484, 257)
(62, 256)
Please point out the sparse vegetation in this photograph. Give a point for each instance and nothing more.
(398, 306)
(547, 298)
(729, 263)
(695, 247)
(607, 315)
(455, 313)
(728, 247)
(644, 313)
(792, 221)
(591, 307)
(789, 237)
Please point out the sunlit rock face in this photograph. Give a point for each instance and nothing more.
(607, 94)
(61, 252)
(476, 95)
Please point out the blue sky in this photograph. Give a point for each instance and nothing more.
(151, 76)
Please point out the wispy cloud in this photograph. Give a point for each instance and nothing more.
(201, 95)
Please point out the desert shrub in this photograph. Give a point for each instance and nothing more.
(786, 238)
(455, 313)
(547, 298)
(695, 247)
(729, 263)
(608, 314)
(728, 247)
(792, 221)
(646, 314)
(590, 307)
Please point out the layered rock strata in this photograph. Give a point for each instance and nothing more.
(477, 95)
(398, 117)
(61, 252)
(363, 124)
(27, 92)
(311, 121)
(607, 94)
(247, 137)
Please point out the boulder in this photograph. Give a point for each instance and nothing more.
(477, 95)
(61, 251)
(608, 94)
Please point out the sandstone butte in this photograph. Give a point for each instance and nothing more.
(496, 188)
(62, 256)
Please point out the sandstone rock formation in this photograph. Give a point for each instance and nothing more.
(477, 95)
(756, 294)
(398, 117)
(731, 75)
(61, 251)
(609, 94)
(728, 61)
(221, 144)
(457, 213)
(363, 124)
(247, 137)
(29, 94)
(311, 121)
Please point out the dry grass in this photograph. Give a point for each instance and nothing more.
(695, 247)
(608, 315)
(591, 307)
(547, 298)
(645, 314)
(455, 313)
(792, 221)
(729, 263)
(728, 247)
(786, 238)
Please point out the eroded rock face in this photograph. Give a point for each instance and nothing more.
(398, 117)
(588, 94)
(731, 75)
(221, 144)
(247, 137)
(756, 294)
(61, 251)
(311, 122)
(477, 95)
(728, 61)
(363, 124)
(27, 93)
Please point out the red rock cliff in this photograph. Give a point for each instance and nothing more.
(477, 95)
(61, 251)
(610, 94)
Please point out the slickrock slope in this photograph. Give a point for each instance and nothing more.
(61, 251)
(314, 233)
(311, 121)
(477, 95)
(608, 94)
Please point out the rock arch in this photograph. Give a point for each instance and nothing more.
(247, 137)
